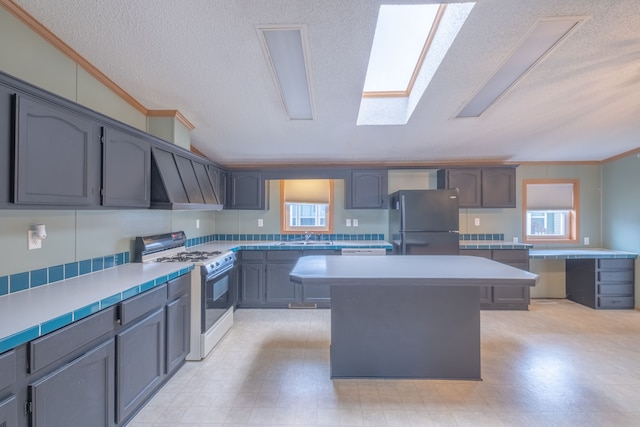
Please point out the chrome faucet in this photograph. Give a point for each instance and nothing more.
(307, 235)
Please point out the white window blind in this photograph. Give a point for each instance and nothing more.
(551, 196)
(317, 191)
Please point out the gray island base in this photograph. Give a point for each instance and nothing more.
(406, 316)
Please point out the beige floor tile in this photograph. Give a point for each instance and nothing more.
(559, 364)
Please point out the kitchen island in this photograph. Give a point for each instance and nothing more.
(406, 316)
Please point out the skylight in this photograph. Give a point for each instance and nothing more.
(409, 44)
(401, 34)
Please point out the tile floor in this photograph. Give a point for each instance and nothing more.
(559, 364)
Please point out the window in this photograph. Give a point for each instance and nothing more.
(550, 210)
(306, 205)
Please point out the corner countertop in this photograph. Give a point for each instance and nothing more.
(579, 253)
(424, 270)
(493, 244)
(28, 314)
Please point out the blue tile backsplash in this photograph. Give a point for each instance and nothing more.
(31, 279)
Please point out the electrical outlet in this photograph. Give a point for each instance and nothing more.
(197, 223)
(348, 222)
(476, 221)
(586, 241)
(355, 222)
(32, 241)
(260, 222)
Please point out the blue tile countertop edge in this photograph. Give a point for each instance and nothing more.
(22, 317)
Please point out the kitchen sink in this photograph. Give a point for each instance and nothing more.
(306, 243)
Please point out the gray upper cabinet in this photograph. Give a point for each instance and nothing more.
(165, 167)
(366, 189)
(6, 138)
(246, 190)
(481, 187)
(57, 156)
(126, 170)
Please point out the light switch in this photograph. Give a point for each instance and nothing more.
(260, 222)
(476, 221)
(355, 222)
(348, 222)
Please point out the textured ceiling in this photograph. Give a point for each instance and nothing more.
(203, 58)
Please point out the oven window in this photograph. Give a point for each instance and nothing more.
(217, 300)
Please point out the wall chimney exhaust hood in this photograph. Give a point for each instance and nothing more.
(181, 183)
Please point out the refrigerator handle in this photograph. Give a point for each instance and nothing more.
(403, 241)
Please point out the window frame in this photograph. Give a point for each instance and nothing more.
(573, 231)
(284, 227)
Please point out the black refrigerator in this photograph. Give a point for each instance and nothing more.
(424, 222)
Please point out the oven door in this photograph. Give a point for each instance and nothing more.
(218, 295)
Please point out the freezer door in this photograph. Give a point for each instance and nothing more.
(438, 243)
(429, 210)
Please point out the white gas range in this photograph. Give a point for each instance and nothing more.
(212, 297)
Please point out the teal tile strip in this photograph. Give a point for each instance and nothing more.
(31, 279)
(243, 237)
(13, 341)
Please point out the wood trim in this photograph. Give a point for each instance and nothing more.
(622, 155)
(575, 213)
(171, 113)
(56, 42)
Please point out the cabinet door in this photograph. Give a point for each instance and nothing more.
(57, 156)
(366, 189)
(178, 321)
(164, 167)
(126, 170)
(246, 190)
(469, 183)
(499, 188)
(6, 138)
(278, 287)
(79, 394)
(9, 412)
(140, 363)
(252, 283)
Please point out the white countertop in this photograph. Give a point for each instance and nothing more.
(577, 253)
(35, 310)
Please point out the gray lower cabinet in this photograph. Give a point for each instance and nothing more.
(503, 297)
(126, 169)
(78, 394)
(57, 154)
(318, 295)
(279, 290)
(605, 283)
(140, 363)
(251, 278)
(178, 320)
(9, 411)
(366, 189)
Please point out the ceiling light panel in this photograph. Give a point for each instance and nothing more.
(539, 42)
(285, 48)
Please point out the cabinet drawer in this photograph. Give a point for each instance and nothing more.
(135, 307)
(622, 289)
(252, 255)
(615, 302)
(510, 255)
(521, 265)
(483, 253)
(615, 276)
(615, 263)
(7, 369)
(283, 255)
(179, 286)
(54, 346)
